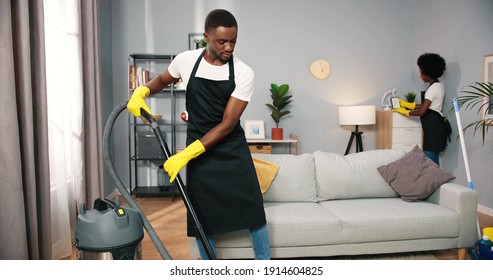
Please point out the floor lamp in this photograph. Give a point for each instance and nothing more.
(356, 115)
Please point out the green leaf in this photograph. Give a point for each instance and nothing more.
(276, 115)
(283, 105)
(271, 107)
(286, 98)
(476, 94)
(283, 89)
(285, 113)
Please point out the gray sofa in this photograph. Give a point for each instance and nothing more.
(326, 204)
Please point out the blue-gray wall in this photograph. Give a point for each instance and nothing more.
(372, 46)
(460, 35)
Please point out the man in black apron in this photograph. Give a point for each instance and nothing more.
(221, 178)
(436, 129)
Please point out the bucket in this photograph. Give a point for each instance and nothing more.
(108, 233)
(485, 253)
(485, 246)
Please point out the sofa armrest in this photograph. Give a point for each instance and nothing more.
(463, 201)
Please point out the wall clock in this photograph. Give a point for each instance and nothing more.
(320, 69)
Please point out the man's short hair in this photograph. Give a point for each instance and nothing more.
(219, 17)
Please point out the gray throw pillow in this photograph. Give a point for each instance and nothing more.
(414, 176)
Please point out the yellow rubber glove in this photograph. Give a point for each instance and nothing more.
(408, 105)
(175, 163)
(403, 111)
(137, 101)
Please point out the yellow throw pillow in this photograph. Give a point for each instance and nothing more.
(266, 172)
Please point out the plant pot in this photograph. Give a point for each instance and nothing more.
(277, 133)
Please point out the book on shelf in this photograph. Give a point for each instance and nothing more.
(138, 77)
(132, 77)
(146, 76)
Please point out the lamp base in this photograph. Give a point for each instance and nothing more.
(359, 143)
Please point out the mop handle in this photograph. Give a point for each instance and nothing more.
(464, 154)
(463, 145)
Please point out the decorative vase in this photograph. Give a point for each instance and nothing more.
(277, 133)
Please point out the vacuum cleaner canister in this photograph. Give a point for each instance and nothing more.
(113, 233)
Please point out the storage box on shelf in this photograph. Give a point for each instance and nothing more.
(260, 149)
(265, 146)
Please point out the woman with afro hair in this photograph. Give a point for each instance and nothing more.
(436, 129)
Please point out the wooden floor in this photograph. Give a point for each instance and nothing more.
(168, 219)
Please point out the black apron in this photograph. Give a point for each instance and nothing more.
(222, 183)
(436, 130)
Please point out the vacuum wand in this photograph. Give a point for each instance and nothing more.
(181, 186)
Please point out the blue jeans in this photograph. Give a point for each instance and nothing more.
(260, 242)
(434, 156)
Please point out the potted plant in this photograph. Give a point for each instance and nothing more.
(200, 43)
(280, 99)
(410, 96)
(476, 94)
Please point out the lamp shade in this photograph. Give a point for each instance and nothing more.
(356, 115)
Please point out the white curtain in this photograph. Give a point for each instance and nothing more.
(64, 86)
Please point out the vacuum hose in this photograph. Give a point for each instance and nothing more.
(121, 187)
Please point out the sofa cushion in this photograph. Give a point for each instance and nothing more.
(289, 228)
(414, 176)
(384, 219)
(295, 179)
(354, 175)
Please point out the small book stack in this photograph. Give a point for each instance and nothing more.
(137, 76)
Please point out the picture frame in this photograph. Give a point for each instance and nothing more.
(194, 39)
(254, 129)
(488, 77)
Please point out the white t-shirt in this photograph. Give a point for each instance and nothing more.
(435, 93)
(182, 66)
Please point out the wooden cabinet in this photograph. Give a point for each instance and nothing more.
(396, 131)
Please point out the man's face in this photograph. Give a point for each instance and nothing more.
(221, 42)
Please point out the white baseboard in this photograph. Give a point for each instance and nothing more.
(485, 210)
